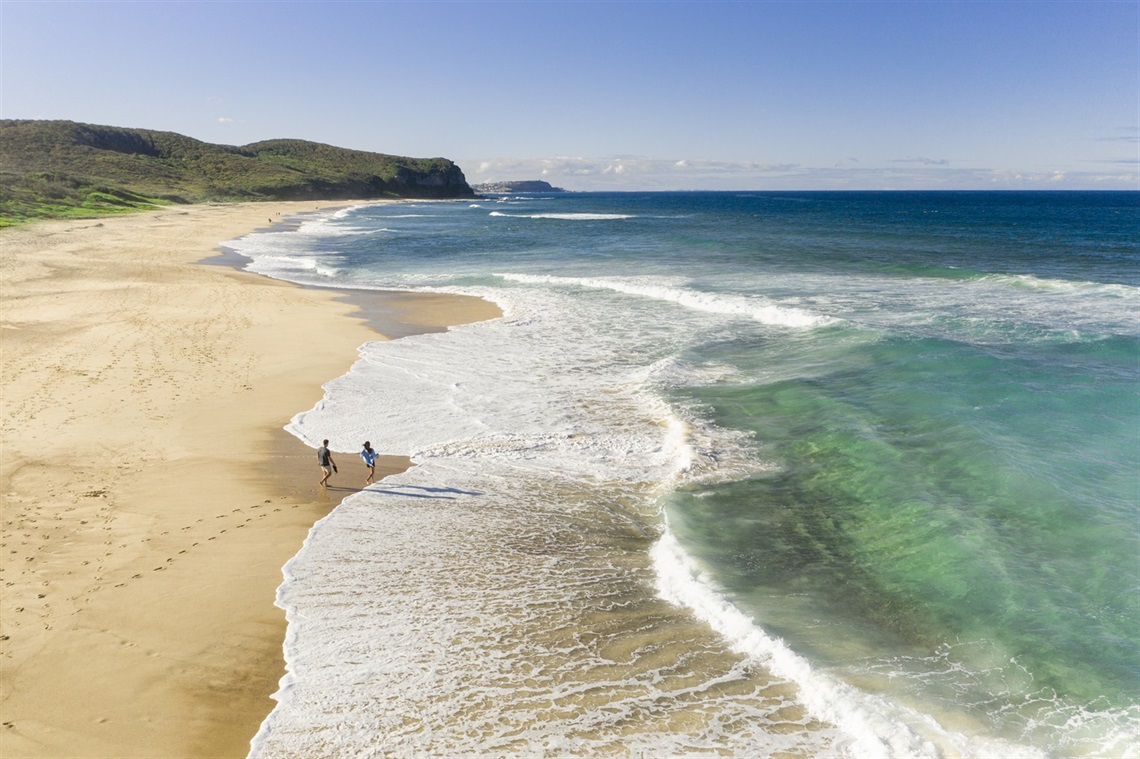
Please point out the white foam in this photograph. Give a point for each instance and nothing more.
(1061, 286)
(1005, 308)
(330, 227)
(875, 727)
(516, 387)
(504, 420)
(757, 308)
(566, 216)
(440, 614)
(306, 254)
(507, 416)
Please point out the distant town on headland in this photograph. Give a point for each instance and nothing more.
(532, 185)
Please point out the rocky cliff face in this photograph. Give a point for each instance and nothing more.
(437, 182)
(360, 174)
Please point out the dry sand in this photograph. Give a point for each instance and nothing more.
(150, 497)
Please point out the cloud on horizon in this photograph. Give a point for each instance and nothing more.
(1129, 134)
(640, 173)
(622, 172)
(923, 161)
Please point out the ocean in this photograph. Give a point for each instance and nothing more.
(736, 474)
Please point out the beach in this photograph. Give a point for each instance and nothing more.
(819, 474)
(150, 495)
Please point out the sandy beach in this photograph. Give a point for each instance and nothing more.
(150, 497)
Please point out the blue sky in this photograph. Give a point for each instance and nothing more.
(617, 95)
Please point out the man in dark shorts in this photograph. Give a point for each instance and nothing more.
(325, 459)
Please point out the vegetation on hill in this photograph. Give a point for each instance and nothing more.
(62, 169)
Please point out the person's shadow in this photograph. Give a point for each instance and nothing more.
(401, 490)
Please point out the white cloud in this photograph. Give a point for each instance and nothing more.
(642, 173)
(923, 161)
(629, 169)
(1124, 134)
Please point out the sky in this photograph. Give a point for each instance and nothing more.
(610, 95)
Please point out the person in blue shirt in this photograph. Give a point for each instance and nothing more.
(369, 457)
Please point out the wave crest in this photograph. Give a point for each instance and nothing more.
(759, 309)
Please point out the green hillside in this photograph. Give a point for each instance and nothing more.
(62, 169)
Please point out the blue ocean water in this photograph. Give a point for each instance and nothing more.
(838, 474)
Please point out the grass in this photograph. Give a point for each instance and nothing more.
(63, 169)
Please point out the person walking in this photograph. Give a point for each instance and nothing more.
(325, 460)
(369, 457)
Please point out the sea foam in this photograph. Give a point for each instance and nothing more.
(758, 309)
(565, 216)
(495, 580)
(873, 727)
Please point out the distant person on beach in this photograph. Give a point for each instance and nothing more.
(325, 459)
(369, 457)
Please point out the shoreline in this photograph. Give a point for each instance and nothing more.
(151, 494)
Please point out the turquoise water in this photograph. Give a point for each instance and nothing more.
(922, 409)
(930, 496)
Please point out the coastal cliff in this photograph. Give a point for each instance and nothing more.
(68, 169)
